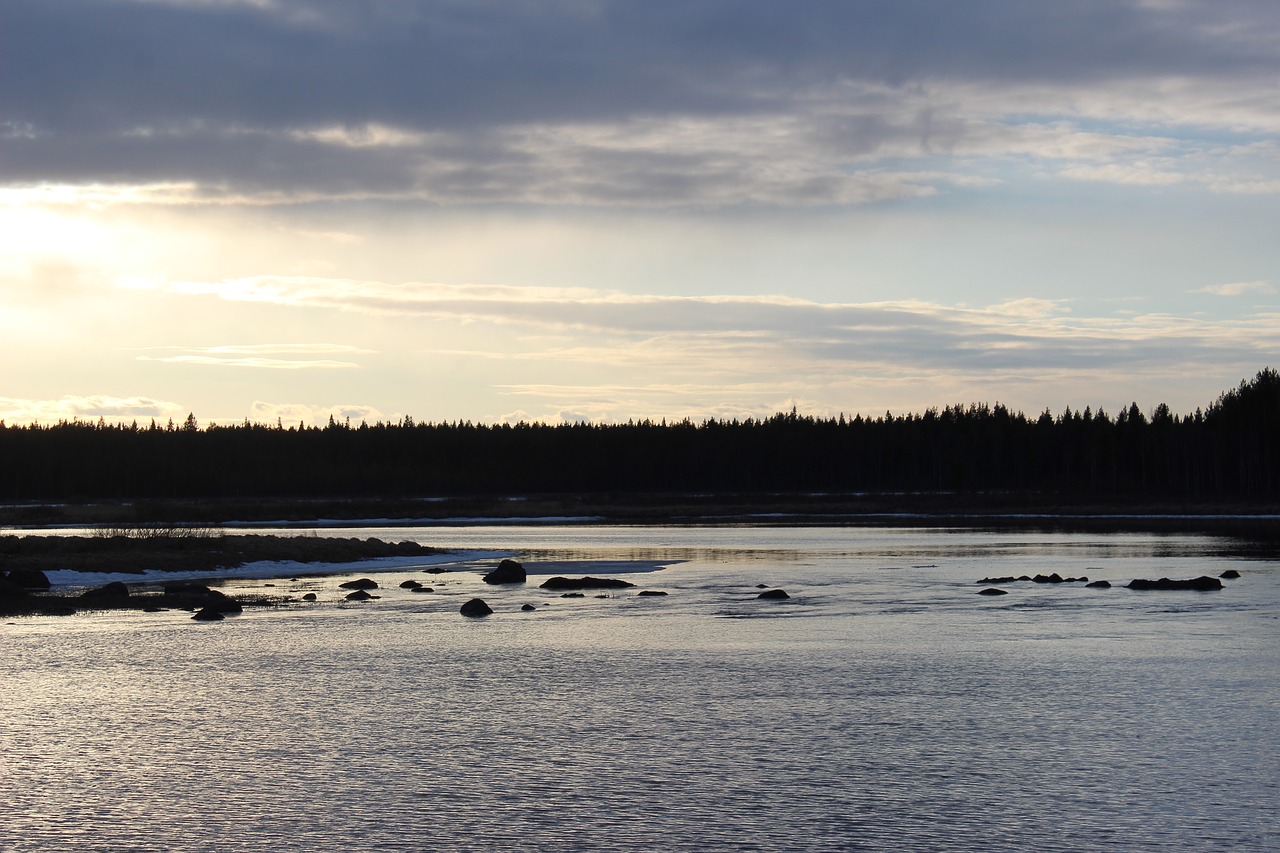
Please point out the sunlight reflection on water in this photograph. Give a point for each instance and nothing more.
(883, 710)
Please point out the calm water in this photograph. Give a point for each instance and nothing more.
(885, 706)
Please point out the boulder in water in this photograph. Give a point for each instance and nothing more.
(651, 592)
(475, 607)
(508, 571)
(28, 578)
(1229, 574)
(359, 595)
(991, 590)
(114, 591)
(362, 583)
(208, 614)
(773, 593)
(409, 584)
(1100, 584)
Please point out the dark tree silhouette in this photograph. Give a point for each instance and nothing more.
(1228, 450)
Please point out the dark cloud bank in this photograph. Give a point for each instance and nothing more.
(229, 94)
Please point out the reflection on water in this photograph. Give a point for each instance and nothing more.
(885, 705)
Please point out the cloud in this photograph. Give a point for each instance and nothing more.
(87, 408)
(578, 102)
(726, 337)
(291, 414)
(257, 355)
(266, 363)
(1238, 288)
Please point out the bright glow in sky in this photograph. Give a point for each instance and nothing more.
(578, 209)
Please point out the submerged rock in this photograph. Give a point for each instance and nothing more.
(585, 583)
(208, 614)
(362, 583)
(1204, 583)
(650, 592)
(359, 595)
(423, 589)
(1229, 574)
(1100, 584)
(311, 596)
(573, 595)
(508, 571)
(991, 590)
(409, 584)
(773, 593)
(527, 607)
(475, 607)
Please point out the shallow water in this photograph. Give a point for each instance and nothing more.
(886, 705)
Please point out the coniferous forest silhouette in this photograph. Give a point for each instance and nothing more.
(1227, 451)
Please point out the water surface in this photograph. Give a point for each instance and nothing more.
(886, 705)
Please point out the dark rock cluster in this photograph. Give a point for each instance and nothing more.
(1052, 578)
(1204, 583)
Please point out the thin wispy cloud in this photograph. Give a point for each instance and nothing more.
(721, 334)
(1238, 288)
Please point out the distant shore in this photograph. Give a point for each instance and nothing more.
(1003, 510)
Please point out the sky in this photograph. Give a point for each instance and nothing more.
(567, 210)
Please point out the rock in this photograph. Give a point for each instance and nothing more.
(423, 589)
(475, 607)
(362, 583)
(208, 614)
(28, 578)
(1204, 583)
(762, 586)
(1229, 574)
(584, 583)
(573, 595)
(508, 571)
(311, 596)
(359, 595)
(1053, 578)
(651, 592)
(991, 590)
(409, 584)
(1100, 584)
(773, 593)
(113, 591)
(528, 607)
(151, 608)
(437, 570)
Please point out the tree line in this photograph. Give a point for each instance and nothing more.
(1226, 450)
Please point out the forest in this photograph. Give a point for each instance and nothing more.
(1225, 451)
